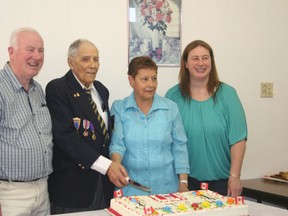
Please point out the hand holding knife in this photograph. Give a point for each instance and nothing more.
(138, 185)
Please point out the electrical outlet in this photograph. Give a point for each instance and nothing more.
(266, 90)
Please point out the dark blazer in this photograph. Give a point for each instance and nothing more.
(73, 183)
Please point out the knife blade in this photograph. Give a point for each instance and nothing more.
(138, 185)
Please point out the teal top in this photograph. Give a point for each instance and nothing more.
(153, 146)
(212, 127)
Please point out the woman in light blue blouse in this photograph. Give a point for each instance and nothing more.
(148, 138)
(214, 121)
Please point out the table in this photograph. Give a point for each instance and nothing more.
(270, 191)
(254, 209)
(258, 209)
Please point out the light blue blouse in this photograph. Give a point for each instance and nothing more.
(153, 146)
(212, 127)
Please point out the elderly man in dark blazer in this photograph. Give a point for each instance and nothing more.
(82, 126)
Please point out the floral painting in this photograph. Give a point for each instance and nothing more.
(154, 30)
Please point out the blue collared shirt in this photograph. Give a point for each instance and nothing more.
(153, 146)
(25, 130)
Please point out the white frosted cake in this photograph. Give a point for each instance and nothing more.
(201, 202)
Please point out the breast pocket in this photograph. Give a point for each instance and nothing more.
(12, 125)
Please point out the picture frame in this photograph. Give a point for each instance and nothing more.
(155, 30)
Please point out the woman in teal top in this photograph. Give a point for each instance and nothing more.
(214, 122)
(149, 138)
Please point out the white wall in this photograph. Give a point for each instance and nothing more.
(249, 38)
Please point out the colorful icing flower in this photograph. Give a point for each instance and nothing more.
(182, 207)
(155, 212)
(219, 203)
(134, 200)
(200, 193)
(195, 206)
(167, 209)
(230, 200)
(205, 204)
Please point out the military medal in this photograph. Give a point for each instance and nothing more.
(93, 131)
(86, 125)
(76, 121)
(94, 136)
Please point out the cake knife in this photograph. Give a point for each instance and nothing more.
(138, 185)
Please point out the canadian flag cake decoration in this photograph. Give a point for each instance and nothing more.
(148, 210)
(118, 193)
(239, 200)
(204, 186)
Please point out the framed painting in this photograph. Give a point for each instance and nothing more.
(155, 30)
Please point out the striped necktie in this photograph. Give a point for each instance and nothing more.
(99, 118)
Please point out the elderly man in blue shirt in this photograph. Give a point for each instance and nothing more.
(25, 129)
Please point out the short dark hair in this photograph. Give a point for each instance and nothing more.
(141, 62)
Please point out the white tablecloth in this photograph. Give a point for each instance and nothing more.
(254, 209)
(258, 209)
